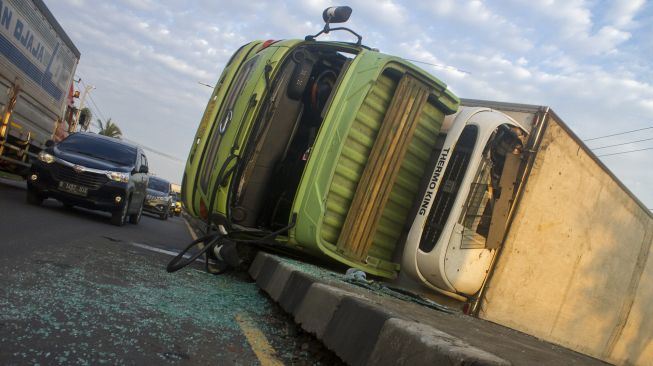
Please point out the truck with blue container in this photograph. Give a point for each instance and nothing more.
(37, 66)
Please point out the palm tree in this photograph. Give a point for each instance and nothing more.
(109, 129)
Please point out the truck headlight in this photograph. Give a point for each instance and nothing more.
(118, 176)
(46, 158)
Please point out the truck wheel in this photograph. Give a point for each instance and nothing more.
(34, 198)
(119, 217)
(136, 218)
(164, 216)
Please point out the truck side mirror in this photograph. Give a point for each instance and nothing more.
(143, 169)
(49, 143)
(336, 14)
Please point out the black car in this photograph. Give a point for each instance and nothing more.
(91, 171)
(158, 199)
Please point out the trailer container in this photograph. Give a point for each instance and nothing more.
(565, 257)
(37, 65)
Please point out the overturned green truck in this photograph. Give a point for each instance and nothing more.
(323, 142)
(338, 151)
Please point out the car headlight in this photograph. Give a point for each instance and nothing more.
(46, 158)
(118, 176)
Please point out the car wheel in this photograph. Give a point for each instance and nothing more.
(119, 217)
(34, 198)
(164, 216)
(136, 218)
(67, 206)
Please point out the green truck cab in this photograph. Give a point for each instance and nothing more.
(320, 144)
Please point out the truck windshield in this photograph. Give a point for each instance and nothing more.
(223, 120)
(99, 148)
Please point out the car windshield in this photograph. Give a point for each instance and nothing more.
(158, 185)
(113, 151)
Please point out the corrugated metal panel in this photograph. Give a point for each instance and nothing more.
(354, 158)
(403, 193)
(382, 169)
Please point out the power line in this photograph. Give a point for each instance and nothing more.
(446, 67)
(100, 114)
(626, 152)
(155, 151)
(90, 97)
(97, 108)
(619, 133)
(624, 143)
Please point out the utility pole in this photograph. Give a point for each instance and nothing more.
(87, 89)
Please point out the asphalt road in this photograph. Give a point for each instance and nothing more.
(76, 290)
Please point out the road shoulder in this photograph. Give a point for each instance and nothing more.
(366, 327)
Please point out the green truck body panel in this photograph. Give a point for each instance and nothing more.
(208, 125)
(330, 182)
(338, 156)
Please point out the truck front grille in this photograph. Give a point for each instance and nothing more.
(448, 190)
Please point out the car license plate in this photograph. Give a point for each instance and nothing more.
(73, 188)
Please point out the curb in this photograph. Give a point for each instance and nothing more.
(358, 330)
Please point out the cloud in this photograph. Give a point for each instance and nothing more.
(621, 12)
(477, 17)
(571, 21)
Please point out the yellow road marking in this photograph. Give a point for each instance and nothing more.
(190, 229)
(260, 345)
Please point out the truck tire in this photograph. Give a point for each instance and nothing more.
(164, 216)
(34, 198)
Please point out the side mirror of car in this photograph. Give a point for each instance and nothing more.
(143, 169)
(49, 143)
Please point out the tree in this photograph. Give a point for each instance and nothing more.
(109, 129)
(85, 116)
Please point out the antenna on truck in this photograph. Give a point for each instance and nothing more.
(335, 14)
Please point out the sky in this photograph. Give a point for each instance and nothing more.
(585, 59)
